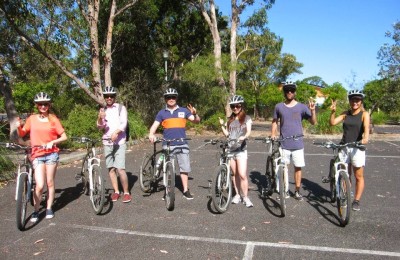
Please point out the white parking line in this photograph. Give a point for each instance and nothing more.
(250, 245)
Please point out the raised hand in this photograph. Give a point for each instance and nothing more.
(192, 109)
(333, 105)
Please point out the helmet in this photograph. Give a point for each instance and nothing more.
(355, 93)
(42, 97)
(171, 92)
(109, 91)
(289, 85)
(236, 100)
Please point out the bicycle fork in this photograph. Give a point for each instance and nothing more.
(338, 167)
(92, 161)
(281, 163)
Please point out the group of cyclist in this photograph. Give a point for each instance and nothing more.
(46, 132)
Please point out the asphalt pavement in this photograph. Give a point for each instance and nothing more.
(144, 229)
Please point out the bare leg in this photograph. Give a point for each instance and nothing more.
(114, 179)
(359, 176)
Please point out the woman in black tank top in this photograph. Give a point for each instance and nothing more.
(355, 129)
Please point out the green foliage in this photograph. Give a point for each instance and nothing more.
(322, 126)
(212, 123)
(335, 92)
(304, 92)
(379, 118)
(81, 121)
(137, 127)
(7, 167)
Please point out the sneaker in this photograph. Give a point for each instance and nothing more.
(236, 199)
(115, 196)
(247, 202)
(187, 195)
(287, 195)
(297, 195)
(49, 213)
(35, 217)
(126, 198)
(356, 205)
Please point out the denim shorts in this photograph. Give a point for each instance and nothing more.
(48, 159)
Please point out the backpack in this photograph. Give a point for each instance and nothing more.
(127, 123)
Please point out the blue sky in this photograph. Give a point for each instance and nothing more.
(337, 40)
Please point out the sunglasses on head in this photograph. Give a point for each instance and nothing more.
(109, 96)
(43, 104)
(235, 106)
(170, 97)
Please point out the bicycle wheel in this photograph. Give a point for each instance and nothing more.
(97, 196)
(170, 187)
(146, 173)
(282, 190)
(22, 200)
(344, 198)
(332, 182)
(269, 173)
(222, 190)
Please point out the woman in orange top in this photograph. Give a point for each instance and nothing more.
(45, 132)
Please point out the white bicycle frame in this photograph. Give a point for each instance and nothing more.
(91, 162)
(341, 165)
(280, 161)
(229, 156)
(29, 173)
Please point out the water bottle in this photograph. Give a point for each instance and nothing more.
(159, 162)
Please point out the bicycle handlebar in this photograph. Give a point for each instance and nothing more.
(18, 146)
(84, 139)
(269, 139)
(159, 140)
(332, 145)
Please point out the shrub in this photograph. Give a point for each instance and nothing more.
(379, 118)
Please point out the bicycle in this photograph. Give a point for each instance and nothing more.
(221, 191)
(25, 183)
(277, 170)
(162, 161)
(338, 178)
(91, 175)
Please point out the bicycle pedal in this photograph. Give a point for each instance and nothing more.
(326, 179)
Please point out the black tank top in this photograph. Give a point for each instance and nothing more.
(353, 127)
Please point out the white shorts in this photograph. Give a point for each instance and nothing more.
(296, 156)
(354, 156)
(241, 154)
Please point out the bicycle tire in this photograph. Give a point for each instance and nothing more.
(269, 173)
(22, 200)
(146, 173)
(344, 198)
(332, 182)
(282, 193)
(170, 187)
(97, 193)
(222, 190)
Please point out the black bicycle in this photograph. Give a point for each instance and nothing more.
(276, 170)
(338, 178)
(160, 165)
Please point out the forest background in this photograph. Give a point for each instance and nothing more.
(72, 49)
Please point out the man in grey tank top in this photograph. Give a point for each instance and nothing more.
(289, 114)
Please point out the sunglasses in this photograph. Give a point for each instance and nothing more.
(43, 104)
(356, 100)
(109, 96)
(235, 106)
(289, 90)
(170, 97)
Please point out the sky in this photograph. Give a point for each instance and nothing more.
(337, 40)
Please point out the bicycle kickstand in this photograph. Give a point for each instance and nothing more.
(209, 189)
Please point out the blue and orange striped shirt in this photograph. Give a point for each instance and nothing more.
(174, 123)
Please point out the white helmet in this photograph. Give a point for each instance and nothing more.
(236, 99)
(289, 85)
(42, 97)
(171, 92)
(109, 91)
(355, 93)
